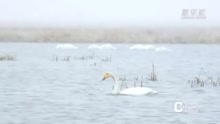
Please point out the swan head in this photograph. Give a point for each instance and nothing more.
(106, 75)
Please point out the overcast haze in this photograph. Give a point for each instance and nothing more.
(105, 12)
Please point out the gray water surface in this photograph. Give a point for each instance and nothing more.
(35, 89)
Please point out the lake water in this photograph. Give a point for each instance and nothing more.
(36, 89)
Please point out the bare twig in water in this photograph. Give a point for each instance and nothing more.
(153, 76)
(7, 58)
(197, 81)
(90, 56)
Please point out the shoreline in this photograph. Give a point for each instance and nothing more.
(112, 35)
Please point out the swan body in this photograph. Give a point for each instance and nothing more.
(138, 91)
(161, 49)
(107, 46)
(130, 91)
(66, 46)
(94, 47)
(104, 46)
(142, 47)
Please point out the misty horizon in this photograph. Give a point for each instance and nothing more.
(97, 13)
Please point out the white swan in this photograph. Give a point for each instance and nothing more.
(66, 46)
(107, 46)
(130, 91)
(104, 46)
(161, 49)
(142, 47)
(94, 46)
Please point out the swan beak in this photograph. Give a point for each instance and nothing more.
(103, 78)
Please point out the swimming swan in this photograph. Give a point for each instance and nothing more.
(130, 91)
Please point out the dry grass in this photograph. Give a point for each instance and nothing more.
(138, 80)
(7, 58)
(111, 35)
(90, 56)
(153, 76)
(203, 79)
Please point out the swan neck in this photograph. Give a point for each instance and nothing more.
(117, 85)
(114, 78)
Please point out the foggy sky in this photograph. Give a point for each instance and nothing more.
(106, 12)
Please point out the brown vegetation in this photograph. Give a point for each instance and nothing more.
(203, 80)
(7, 58)
(111, 35)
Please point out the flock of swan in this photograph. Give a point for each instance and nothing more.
(109, 46)
(136, 91)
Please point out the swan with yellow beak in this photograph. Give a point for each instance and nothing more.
(129, 91)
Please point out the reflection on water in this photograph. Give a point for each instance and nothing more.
(36, 89)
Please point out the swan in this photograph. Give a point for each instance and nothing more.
(161, 49)
(104, 46)
(142, 47)
(94, 46)
(130, 91)
(66, 46)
